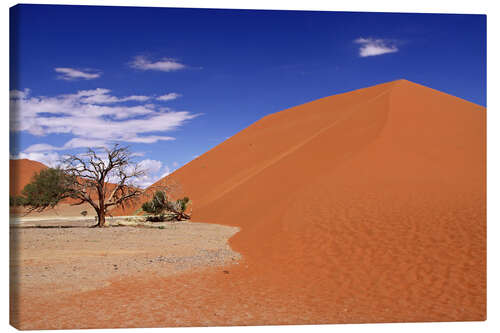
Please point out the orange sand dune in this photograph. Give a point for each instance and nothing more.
(21, 172)
(372, 202)
(368, 206)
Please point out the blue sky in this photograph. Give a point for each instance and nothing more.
(173, 83)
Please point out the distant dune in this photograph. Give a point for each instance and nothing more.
(21, 173)
(365, 206)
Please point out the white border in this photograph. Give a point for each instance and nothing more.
(422, 6)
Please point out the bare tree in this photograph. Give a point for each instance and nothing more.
(103, 179)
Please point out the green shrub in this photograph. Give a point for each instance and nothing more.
(157, 205)
(162, 209)
(16, 201)
(47, 188)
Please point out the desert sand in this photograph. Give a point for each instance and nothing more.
(61, 210)
(67, 258)
(368, 206)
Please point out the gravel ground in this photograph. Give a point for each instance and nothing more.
(74, 258)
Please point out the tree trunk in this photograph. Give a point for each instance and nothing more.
(101, 215)
(101, 219)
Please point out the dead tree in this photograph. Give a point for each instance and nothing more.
(103, 179)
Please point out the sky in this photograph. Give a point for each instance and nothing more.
(173, 83)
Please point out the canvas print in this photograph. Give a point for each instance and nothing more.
(208, 167)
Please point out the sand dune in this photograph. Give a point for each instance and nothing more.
(21, 173)
(373, 201)
(368, 206)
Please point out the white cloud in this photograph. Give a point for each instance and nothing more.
(151, 139)
(18, 94)
(102, 96)
(168, 97)
(49, 159)
(74, 74)
(84, 143)
(92, 124)
(38, 147)
(94, 118)
(166, 172)
(151, 166)
(138, 98)
(164, 65)
(154, 172)
(373, 47)
(71, 144)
